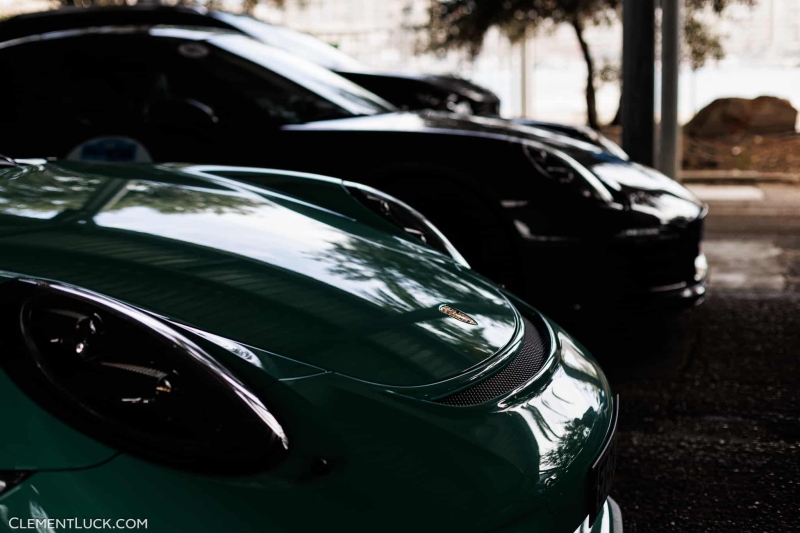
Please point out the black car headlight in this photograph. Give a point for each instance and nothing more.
(612, 147)
(561, 168)
(129, 380)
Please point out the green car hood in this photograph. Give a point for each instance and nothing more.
(252, 265)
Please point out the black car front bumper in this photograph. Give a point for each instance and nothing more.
(649, 273)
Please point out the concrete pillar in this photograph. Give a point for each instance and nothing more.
(670, 134)
(638, 79)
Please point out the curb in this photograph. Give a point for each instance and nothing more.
(717, 210)
(738, 177)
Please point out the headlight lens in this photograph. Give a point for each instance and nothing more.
(127, 379)
(405, 218)
(11, 478)
(562, 169)
(612, 147)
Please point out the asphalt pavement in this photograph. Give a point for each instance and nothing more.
(709, 433)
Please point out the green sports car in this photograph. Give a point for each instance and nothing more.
(184, 352)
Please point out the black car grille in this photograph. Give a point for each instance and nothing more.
(652, 264)
(519, 371)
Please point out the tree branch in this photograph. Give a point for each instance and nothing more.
(591, 98)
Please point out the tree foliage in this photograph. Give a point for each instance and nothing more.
(702, 43)
(463, 24)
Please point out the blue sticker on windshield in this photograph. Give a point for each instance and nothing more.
(110, 150)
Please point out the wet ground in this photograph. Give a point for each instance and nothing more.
(709, 434)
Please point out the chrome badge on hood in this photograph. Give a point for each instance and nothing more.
(452, 312)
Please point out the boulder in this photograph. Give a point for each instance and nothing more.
(728, 116)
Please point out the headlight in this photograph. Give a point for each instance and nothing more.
(612, 147)
(598, 138)
(559, 167)
(127, 379)
(11, 478)
(406, 218)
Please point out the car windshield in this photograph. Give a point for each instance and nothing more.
(297, 43)
(319, 80)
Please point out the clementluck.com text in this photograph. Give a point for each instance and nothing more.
(49, 524)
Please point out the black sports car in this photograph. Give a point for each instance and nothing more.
(405, 91)
(521, 204)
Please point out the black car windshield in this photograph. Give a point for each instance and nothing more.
(301, 44)
(319, 80)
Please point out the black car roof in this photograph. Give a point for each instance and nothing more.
(188, 33)
(312, 77)
(68, 18)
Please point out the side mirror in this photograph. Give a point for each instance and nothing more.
(185, 114)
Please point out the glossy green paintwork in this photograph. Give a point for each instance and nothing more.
(263, 270)
(483, 468)
(335, 326)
